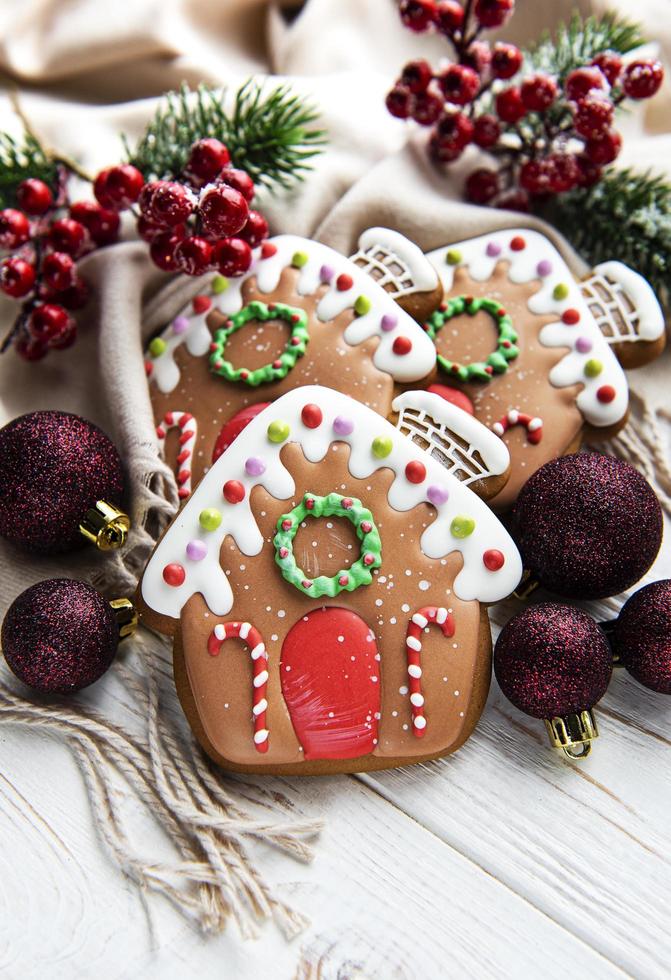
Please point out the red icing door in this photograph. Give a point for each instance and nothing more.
(330, 671)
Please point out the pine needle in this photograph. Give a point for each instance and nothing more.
(20, 160)
(575, 44)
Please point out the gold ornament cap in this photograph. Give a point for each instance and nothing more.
(573, 734)
(106, 526)
(125, 615)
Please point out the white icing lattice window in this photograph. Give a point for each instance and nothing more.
(387, 270)
(451, 450)
(612, 308)
(394, 262)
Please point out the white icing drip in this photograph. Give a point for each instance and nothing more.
(523, 269)
(647, 310)
(207, 576)
(418, 274)
(197, 340)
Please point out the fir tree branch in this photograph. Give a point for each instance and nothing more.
(575, 44)
(20, 160)
(267, 134)
(626, 216)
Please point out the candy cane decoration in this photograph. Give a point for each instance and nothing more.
(420, 620)
(531, 423)
(187, 440)
(257, 648)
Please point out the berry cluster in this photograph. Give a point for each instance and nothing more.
(45, 236)
(201, 220)
(547, 135)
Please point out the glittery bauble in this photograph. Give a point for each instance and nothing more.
(59, 636)
(552, 660)
(588, 526)
(53, 467)
(641, 636)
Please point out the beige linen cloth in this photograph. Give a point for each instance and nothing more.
(85, 75)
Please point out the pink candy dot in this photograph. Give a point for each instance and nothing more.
(584, 345)
(343, 426)
(437, 495)
(196, 550)
(326, 273)
(180, 325)
(493, 250)
(254, 466)
(388, 322)
(544, 268)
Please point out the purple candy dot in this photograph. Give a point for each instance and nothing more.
(493, 250)
(255, 466)
(326, 273)
(436, 495)
(196, 550)
(180, 325)
(544, 268)
(388, 322)
(583, 344)
(343, 426)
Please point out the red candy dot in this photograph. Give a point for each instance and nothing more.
(344, 282)
(201, 303)
(312, 416)
(402, 345)
(415, 471)
(268, 250)
(606, 394)
(518, 244)
(148, 368)
(234, 491)
(493, 559)
(174, 575)
(570, 317)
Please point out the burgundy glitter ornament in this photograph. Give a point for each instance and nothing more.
(61, 635)
(554, 662)
(587, 526)
(60, 479)
(641, 636)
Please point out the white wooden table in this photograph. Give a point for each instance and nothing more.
(504, 860)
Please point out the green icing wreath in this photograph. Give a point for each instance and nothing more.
(276, 370)
(347, 579)
(497, 362)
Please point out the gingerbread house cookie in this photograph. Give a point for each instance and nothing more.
(302, 314)
(325, 584)
(536, 354)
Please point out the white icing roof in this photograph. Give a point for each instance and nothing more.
(423, 274)
(482, 255)
(642, 295)
(207, 577)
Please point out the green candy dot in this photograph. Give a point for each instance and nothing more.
(210, 519)
(560, 291)
(157, 347)
(219, 284)
(299, 259)
(453, 257)
(461, 527)
(278, 431)
(362, 305)
(381, 446)
(593, 368)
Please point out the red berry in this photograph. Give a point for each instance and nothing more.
(604, 149)
(487, 131)
(453, 133)
(166, 203)
(17, 277)
(34, 196)
(509, 105)
(478, 57)
(459, 83)
(66, 338)
(416, 76)
(58, 270)
(47, 322)
(207, 158)
(418, 15)
(149, 231)
(536, 177)
(162, 251)
(564, 172)
(30, 349)
(399, 102)
(493, 13)
(589, 173)
(642, 79)
(583, 80)
(610, 64)
(593, 115)
(67, 235)
(76, 296)
(255, 230)
(118, 187)
(449, 16)
(514, 201)
(193, 255)
(233, 256)
(101, 223)
(239, 180)
(427, 108)
(223, 211)
(506, 60)
(538, 92)
(482, 185)
(14, 228)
